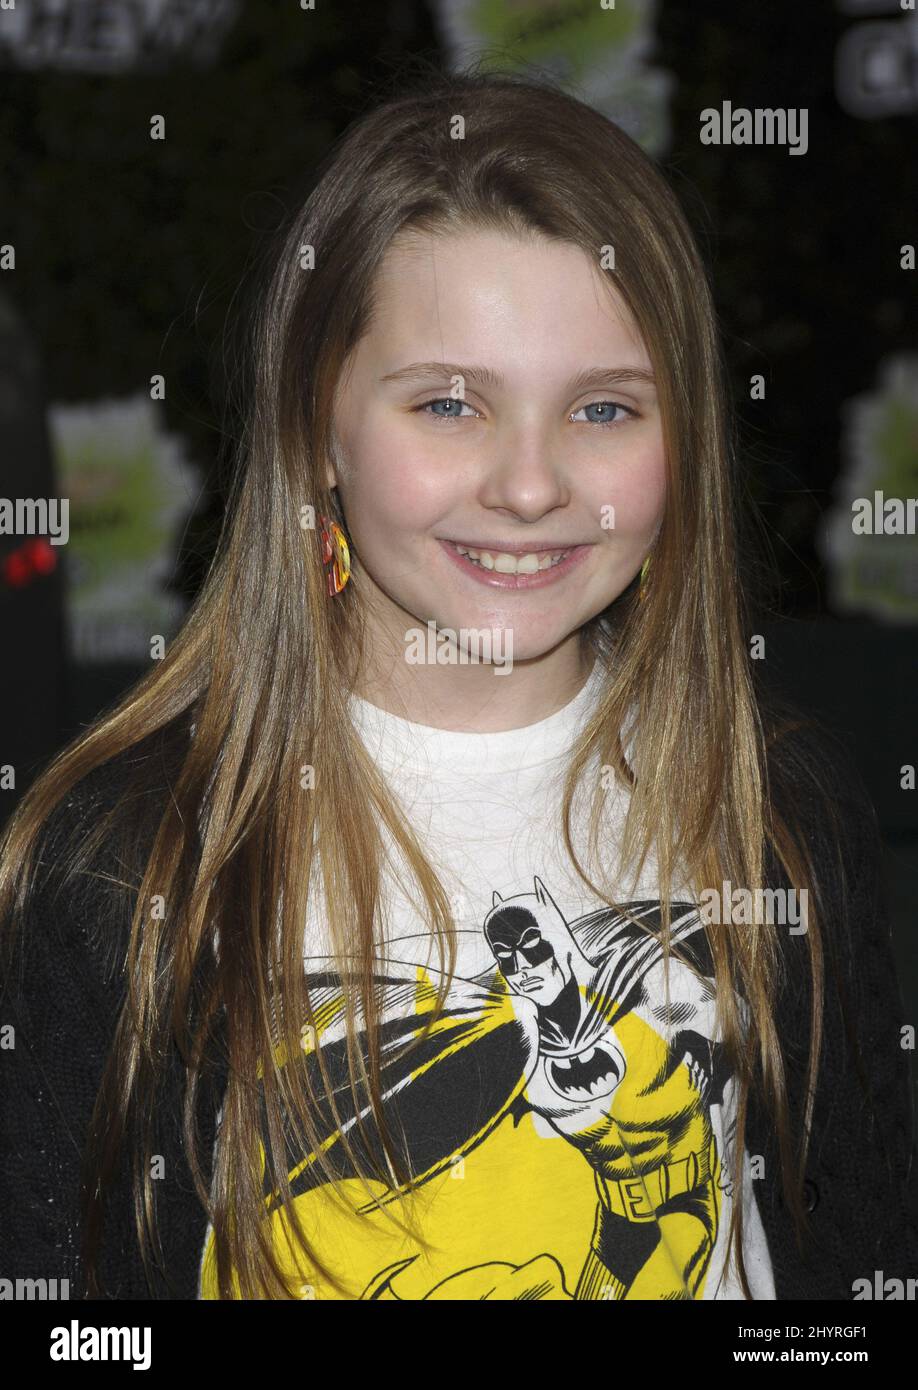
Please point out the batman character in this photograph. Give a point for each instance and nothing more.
(584, 1026)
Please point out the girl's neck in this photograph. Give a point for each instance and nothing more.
(477, 697)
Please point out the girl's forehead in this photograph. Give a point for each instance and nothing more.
(413, 247)
(480, 287)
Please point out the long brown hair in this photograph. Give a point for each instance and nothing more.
(265, 661)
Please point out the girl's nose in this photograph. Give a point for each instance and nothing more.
(527, 480)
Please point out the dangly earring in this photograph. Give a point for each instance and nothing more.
(642, 585)
(335, 551)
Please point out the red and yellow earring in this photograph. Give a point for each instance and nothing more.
(335, 551)
(642, 585)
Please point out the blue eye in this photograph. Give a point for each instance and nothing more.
(455, 408)
(607, 407)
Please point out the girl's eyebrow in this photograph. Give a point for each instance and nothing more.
(486, 376)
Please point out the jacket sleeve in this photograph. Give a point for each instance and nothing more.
(860, 1173)
(59, 1005)
(58, 1017)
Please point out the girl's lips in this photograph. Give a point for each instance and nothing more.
(539, 580)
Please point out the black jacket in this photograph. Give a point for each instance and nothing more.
(67, 987)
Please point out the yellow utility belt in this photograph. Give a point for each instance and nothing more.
(638, 1198)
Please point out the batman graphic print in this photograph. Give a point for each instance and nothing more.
(567, 1123)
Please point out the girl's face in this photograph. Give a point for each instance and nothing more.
(537, 434)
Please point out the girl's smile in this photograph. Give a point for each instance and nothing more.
(528, 569)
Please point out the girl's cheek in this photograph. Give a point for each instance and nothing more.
(377, 473)
(394, 496)
(635, 508)
(412, 484)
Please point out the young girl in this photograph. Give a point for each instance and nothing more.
(447, 916)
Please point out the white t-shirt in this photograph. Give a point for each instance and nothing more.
(567, 1128)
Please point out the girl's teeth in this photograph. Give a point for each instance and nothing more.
(512, 564)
